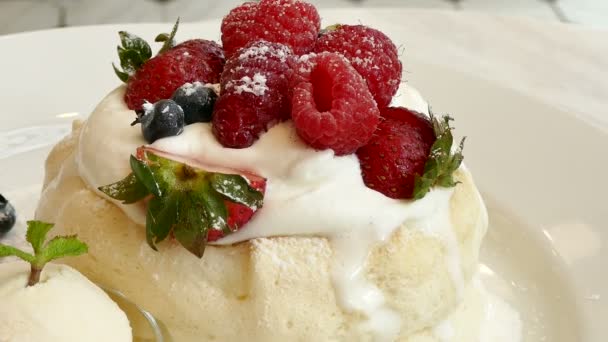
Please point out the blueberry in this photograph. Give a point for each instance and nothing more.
(7, 216)
(196, 100)
(163, 119)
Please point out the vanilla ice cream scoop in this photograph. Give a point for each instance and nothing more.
(64, 306)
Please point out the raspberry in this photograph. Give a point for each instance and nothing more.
(397, 152)
(331, 105)
(371, 53)
(254, 93)
(191, 61)
(293, 23)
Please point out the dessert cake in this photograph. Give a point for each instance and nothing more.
(284, 186)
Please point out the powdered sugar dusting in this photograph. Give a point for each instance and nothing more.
(148, 107)
(305, 65)
(255, 85)
(191, 88)
(263, 52)
(364, 62)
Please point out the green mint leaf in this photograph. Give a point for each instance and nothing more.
(144, 174)
(123, 76)
(129, 190)
(62, 246)
(168, 39)
(36, 234)
(442, 162)
(132, 42)
(58, 247)
(161, 215)
(192, 228)
(236, 188)
(6, 251)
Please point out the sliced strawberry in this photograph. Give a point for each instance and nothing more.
(190, 201)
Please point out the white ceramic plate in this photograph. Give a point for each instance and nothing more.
(541, 171)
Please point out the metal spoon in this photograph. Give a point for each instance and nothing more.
(154, 327)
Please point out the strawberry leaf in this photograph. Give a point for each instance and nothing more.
(144, 174)
(129, 190)
(215, 210)
(162, 213)
(168, 39)
(236, 188)
(132, 53)
(123, 76)
(130, 60)
(192, 228)
(329, 29)
(132, 42)
(442, 162)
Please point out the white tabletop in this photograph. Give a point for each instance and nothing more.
(560, 64)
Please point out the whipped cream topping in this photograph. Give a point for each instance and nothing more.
(309, 192)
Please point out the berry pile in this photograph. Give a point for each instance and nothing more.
(335, 85)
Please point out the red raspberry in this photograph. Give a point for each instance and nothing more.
(191, 61)
(397, 152)
(293, 23)
(331, 105)
(371, 53)
(254, 93)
